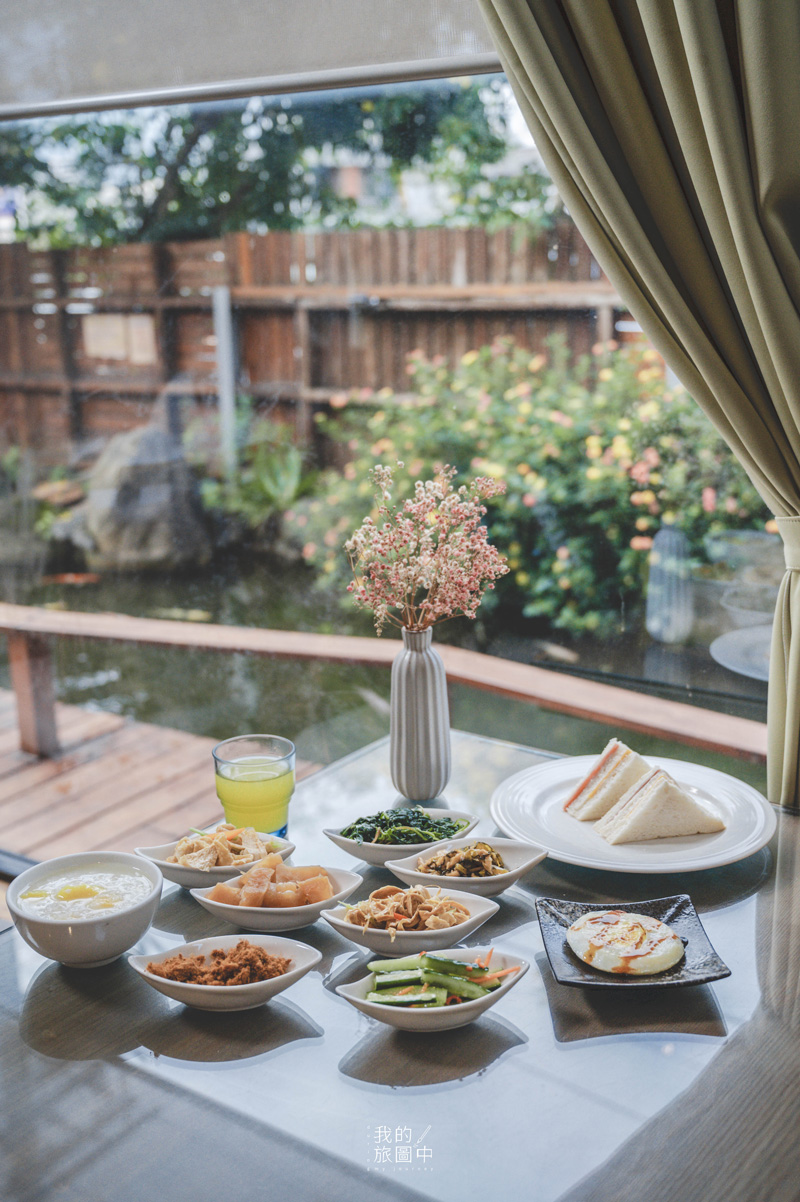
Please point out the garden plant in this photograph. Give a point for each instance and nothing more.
(595, 454)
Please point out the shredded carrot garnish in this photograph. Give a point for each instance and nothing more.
(494, 976)
(407, 989)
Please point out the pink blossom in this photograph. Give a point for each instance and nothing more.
(641, 542)
(640, 472)
(709, 499)
(428, 559)
(529, 499)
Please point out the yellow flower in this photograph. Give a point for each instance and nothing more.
(524, 408)
(470, 358)
(523, 469)
(537, 363)
(523, 579)
(642, 523)
(624, 423)
(564, 583)
(593, 473)
(513, 563)
(655, 477)
(605, 373)
(495, 470)
(669, 517)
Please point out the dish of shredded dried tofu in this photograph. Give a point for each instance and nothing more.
(399, 910)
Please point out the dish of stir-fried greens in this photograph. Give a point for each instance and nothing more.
(409, 824)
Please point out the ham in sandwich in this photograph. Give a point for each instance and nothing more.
(613, 773)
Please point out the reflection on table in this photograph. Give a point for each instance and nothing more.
(105, 1081)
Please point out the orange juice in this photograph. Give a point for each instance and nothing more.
(255, 791)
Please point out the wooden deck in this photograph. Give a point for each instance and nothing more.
(117, 784)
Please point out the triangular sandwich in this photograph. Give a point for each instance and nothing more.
(656, 807)
(612, 774)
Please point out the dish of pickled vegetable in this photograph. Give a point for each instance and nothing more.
(479, 859)
(408, 824)
(427, 981)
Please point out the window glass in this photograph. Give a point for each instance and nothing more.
(215, 319)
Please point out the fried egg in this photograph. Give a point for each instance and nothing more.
(619, 942)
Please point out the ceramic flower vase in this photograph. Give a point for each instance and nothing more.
(420, 719)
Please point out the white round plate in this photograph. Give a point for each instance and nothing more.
(229, 997)
(745, 651)
(530, 805)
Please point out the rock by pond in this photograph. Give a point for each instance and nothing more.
(141, 509)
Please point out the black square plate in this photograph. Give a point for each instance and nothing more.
(699, 965)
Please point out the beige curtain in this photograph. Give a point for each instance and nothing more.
(671, 130)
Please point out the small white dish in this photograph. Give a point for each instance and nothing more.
(280, 918)
(85, 942)
(407, 943)
(518, 857)
(196, 878)
(440, 1018)
(379, 853)
(229, 997)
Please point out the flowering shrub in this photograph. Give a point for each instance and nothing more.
(595, 457)
(428, 558)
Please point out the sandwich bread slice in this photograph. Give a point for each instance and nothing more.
(656, 807)
(616, 769)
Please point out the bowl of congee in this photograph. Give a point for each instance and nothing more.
(84, 910)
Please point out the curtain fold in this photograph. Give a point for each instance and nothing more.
(670, 129)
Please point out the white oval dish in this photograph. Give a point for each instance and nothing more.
(379, 853)
(229, 997)
(85, 942)
(518, 857)
(280, 918)
(196, 878)
(442, 1018)
(407, 943)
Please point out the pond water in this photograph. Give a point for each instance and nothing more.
(329, 709)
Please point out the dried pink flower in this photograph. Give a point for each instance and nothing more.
(428, 559)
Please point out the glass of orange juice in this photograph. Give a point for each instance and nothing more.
(254, 775)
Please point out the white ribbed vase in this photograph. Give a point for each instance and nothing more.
(420, 719)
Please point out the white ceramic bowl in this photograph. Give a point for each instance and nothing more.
(229, 997)
(442, 1018)
(280, 918)
(407, 943)
(379, 853)
(85, 942)
(196, 878)
(518, 857)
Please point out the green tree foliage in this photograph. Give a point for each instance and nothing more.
(596, 456)
(196, 172)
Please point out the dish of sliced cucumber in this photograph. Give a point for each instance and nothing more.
(427, 981)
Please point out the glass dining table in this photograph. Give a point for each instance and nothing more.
(111, 1091)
